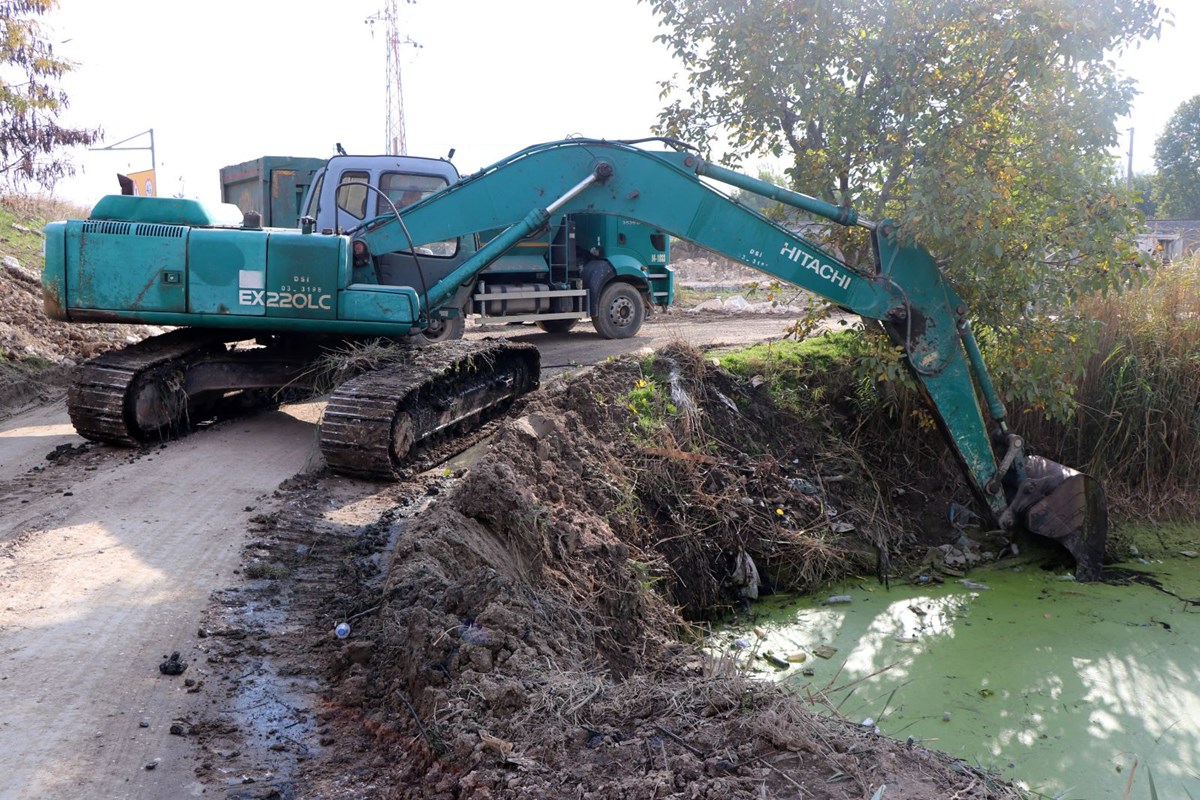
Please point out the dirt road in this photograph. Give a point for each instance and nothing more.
(108, 562)
(108, 559)
(584, 347)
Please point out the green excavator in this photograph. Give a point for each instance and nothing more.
(256, 306)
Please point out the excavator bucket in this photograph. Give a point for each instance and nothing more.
(1072, 511)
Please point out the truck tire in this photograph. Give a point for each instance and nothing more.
(442, 330)
(620, 312)
(557, 325)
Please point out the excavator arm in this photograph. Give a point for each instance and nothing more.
(905, 292)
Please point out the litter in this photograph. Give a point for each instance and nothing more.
(775, 661)
(745, 576)
(973, 585)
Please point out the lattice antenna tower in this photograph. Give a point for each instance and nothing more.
(395, 141)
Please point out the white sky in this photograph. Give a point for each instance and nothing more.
(224, 81)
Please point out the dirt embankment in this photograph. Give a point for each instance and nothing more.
(530, 630)
(36, 353)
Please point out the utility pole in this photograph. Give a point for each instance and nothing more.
(1129, 169)
(395, 141)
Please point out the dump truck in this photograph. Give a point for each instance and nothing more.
(608, 270)
(272, 186)
(174, 262)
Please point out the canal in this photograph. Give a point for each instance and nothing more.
(1071, 690)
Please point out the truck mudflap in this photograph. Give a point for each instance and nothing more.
(1068, 507)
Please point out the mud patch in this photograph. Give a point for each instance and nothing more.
(63, 467)
(264, 646)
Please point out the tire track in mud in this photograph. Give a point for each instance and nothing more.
(102, 577)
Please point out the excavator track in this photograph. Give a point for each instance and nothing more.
(375, 422)
(132, 396)
(161, 387)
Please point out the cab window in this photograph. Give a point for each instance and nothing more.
(404, 189)
(352, 193)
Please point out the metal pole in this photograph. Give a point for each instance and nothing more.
(153, 154)
(1129, 170)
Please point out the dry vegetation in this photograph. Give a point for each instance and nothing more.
(1137, 428)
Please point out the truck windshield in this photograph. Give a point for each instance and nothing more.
(314, 196)
(404, 189)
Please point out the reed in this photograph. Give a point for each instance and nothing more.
(1137, 421)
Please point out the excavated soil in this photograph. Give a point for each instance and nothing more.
(37, 353)
(530, 627)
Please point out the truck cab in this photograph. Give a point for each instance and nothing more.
(582, 266)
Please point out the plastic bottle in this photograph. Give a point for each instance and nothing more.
(342, 630)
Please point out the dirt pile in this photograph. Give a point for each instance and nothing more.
(36, 351)
(534, 634)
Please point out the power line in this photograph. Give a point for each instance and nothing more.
(395, 141)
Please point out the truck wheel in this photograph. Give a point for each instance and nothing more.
(442, 330)
(556, 325)
(620, 312)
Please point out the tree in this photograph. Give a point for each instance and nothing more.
(984, 127)
(1177, 159)
(30, 136)
(1145, 195)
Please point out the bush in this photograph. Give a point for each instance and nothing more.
(1126, 409)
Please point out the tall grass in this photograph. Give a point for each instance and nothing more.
(1137, 425)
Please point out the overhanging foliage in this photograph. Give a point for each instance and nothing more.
(983, 127)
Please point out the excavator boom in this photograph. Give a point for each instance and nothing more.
(905, 292)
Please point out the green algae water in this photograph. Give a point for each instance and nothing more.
(1071, 690)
